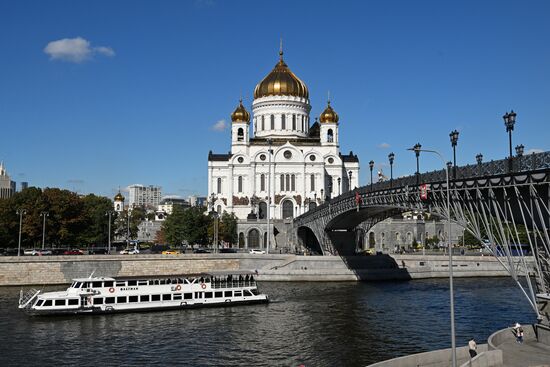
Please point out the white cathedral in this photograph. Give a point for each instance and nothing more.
(281, 161)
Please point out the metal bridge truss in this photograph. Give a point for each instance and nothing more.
(490, 208)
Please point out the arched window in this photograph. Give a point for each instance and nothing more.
(293, 183)
(312, 182)
(397, 237)
(287, 183)
(330, 136)
(272, 122)
(240, 184)
(254, 238)
(283, 122)
(288, 209)
(293, 122)
(282, 188)
(219, 185)
(262, 182)
(241, 240)
(262, 210)
(263, 122)
(219, 209)
(303, 124)
(240, 134)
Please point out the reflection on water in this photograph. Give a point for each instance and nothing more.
(316, 324)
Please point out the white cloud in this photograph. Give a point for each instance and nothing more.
(219, 126)
(534, 150)
(383, 146)
(75, 50)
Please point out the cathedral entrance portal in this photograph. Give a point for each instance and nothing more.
(254, 238)
(288, 209)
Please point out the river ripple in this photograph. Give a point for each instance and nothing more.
(315, 324)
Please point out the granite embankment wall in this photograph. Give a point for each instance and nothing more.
(27, 270)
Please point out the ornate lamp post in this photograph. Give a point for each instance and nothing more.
(109, 213)
(20, 212)
(371, 166)
(454, 140)
(339, 186)
(417, 148)
(479, 158)
(391, 157)
(519, 150)
(349, 174)
(44, 214)
(214, 214)
(509, 121)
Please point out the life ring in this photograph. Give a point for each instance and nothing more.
(203, 286)
(178, 287)
(111, 290)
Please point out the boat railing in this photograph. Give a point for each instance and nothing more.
(26, 297)
(233, 284)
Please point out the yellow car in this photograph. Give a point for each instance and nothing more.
(171, 252)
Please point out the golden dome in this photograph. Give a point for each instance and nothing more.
(240, 114)
(329, 115)
(119, 197)
(281, 82)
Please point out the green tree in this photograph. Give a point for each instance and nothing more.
(228, 228)
(186, 225)
(96, 221)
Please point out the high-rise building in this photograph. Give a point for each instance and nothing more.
(197, 200)
(146, 196)
(24, 185)
(7, 186)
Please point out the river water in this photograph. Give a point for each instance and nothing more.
(314, 324)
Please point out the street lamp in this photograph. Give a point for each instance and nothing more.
(417, 151)
(519, 150)
(509, 121)
(339, 187)
(20, 212)
(479, 158)
(371, 166)
(417, 148)
(269, 142)
(349, 174)
(44, 214)
(109, 213)
(454, 139)
(391, 157)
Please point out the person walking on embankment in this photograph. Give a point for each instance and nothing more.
(519, 333)
(472, 346)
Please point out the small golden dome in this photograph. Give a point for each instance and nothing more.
(240, 114)
(119, 197)
(281, 82)
(329, 115)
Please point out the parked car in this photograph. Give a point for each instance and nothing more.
(130, 251)
(201, 251)
(37, 252)
(171, 252)
(228, 250)
(257, 252)
(73, 252)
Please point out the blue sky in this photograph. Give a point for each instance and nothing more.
(96, 95)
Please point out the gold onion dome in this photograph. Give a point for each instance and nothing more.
(240, 114)
(119, 197)
(329, 115)
(281, 82)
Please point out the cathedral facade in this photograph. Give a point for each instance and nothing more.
(280, 164)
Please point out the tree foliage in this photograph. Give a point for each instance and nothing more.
(186, 225)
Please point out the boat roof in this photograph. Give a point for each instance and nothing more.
(216, 273)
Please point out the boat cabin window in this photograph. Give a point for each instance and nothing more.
(142, 282)
(255, 291)
(186, 281)
(144, 298)
(188, 296)
(207, 280)
(177, 296)
(155, 297)
(73, 302)
(39, 303)
(109, 300)
(121, 299)
(121, 284)
(98, 301)
(60, 302)
(97, 284)
(207, 294)
(48, 302)
(132, 283)
(218, 294)
(108, 284)
(133, 299)
(238, 294)
(247, 293)
(166, 297)
(228, 293)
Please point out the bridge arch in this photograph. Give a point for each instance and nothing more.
(309, 240)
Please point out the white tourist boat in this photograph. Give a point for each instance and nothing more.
(148, 293)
